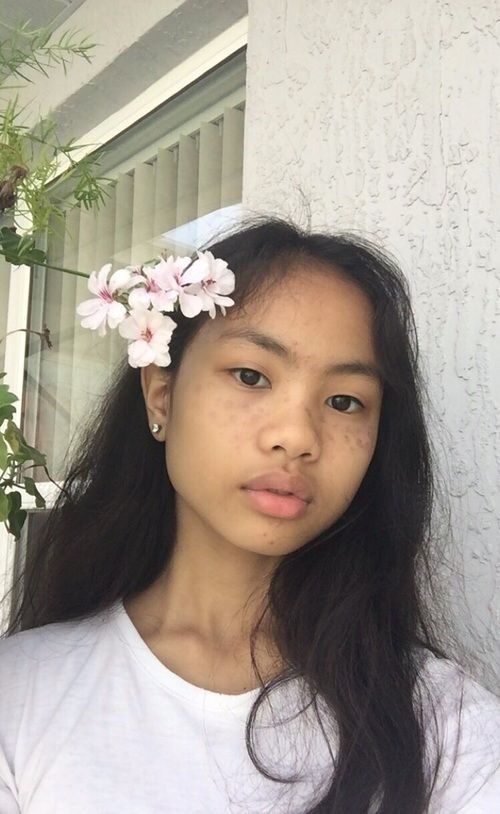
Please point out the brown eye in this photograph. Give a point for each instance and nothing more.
(249, 376)
(346, 404)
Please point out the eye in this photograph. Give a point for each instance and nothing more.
(249, 373)
(346, 404)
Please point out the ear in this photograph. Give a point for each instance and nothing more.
(155, 384)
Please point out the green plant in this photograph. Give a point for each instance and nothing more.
(33, 161)
(15, 455)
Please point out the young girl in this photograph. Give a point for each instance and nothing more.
(225, 612)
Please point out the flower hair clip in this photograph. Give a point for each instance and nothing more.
(136, 299)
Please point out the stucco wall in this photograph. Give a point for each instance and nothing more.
(384, 115)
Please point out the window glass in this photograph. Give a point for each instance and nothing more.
(171, 175)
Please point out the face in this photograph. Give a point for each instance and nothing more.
(239, 411)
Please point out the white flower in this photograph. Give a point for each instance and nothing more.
(152, 292)
(104, 308)
(172, 275)
(215, 280)
(150, 333)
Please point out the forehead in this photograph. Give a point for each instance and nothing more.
(315, 313)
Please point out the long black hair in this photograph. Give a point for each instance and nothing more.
(348, 609)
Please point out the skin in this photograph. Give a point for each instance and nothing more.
(220, 431)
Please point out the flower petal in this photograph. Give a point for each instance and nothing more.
(164, 300)
(139, 298)
(95, 321)
(129, 328)
(88, 307)
(140, 353)
(196, 272)
(162, 358)
(226, 282)
(102, 277)
(116, 314)
(158, 322)
(92, 283)
(119, 279)
(190, 304)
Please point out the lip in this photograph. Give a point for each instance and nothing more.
(283, 506)
(295, 484)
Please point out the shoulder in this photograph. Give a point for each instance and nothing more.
(47, 654)
(462, 720)
(53, 639)
(453, 690)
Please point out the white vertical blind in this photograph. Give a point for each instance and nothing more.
(85, 364)
(123, 227)
(4, 300)
(209, 175)
(63, 333)
(50, 360)
(142, 212)
(232, 156)
(105, 237)
(187, 180)
(165, 191)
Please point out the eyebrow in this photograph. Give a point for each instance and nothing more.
(354, 367)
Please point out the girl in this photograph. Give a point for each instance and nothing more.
(195, 642)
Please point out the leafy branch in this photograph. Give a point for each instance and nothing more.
(31, 49)
(32, 157)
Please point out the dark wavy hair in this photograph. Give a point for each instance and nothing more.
(349, 612)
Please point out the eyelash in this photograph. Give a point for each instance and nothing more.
(356, 401)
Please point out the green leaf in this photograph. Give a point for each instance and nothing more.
(4, 453)
(32, 490)
(6, 412)
(21, 450)
(31, 454)
(4, 506)
(13, 437)
(16, 521)
(15, 501)
(6, 397)
(20, 250)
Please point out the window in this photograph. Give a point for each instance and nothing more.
(174, 176)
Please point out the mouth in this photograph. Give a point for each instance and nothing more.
(274, 504)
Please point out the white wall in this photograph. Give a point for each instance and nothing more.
(385, 115)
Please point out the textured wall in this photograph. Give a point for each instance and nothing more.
(384, 115)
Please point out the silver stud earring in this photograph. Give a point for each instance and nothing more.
(155, 428)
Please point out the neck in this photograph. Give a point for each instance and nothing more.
(216, 594)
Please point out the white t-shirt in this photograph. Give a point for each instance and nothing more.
(91, 722)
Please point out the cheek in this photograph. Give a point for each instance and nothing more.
(348, 453)
(362, 441)
(358, 442)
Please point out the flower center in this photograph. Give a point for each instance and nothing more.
(105, 295)
(147, 334)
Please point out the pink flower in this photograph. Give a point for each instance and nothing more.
(150, 333)
(214, 279)
(104, 308)
(171, 275)
(152, 293)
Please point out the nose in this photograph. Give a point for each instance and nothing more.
(293, 429)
